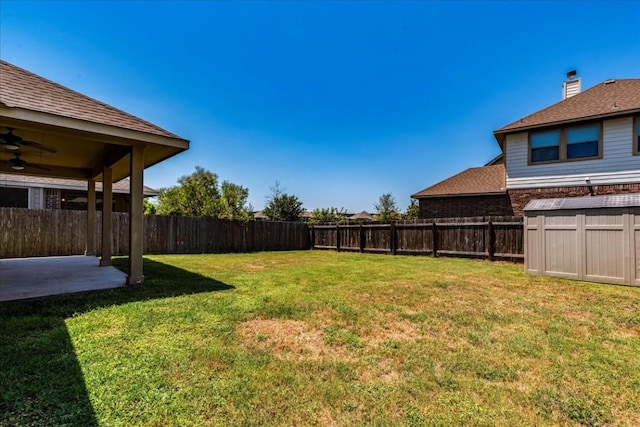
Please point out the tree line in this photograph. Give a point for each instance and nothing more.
(202, 194)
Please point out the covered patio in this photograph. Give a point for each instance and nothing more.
(49, 130)
(28, 278)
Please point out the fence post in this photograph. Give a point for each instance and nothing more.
(434, 228)
(492, 241)
(362, 237)
(393, 242)
(338, 237)
(312, 236)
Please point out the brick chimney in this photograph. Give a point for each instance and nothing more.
(571, 86)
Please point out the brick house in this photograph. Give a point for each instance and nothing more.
(474, 192)
(34, 192)
(586, 144)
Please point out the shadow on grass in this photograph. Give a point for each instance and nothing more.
(41, 381)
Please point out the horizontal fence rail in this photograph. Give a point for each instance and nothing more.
(483, 237)
(34, 232)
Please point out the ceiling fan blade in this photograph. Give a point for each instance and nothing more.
(9, 136)
(38, 146)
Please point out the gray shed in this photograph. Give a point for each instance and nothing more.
(596, 239)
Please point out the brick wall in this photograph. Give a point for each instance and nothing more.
(511, 204)
(520, 198)
(464, 206)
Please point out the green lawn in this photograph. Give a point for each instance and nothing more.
(324, 338)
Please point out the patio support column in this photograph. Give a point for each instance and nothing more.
(107, 197)
(90, 247)
(136, 217)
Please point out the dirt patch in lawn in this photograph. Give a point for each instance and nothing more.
(391, 329)
(289, 339)
(382, 372)
(254, 267)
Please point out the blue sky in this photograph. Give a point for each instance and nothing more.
(338, 101)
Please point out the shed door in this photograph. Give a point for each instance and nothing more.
(605, 246)
(560, 243)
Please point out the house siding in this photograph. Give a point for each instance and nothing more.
(465, 206)
(35, 198)
(618, 165)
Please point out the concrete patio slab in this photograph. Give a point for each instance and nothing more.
(25, 278)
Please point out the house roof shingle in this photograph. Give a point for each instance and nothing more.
(609, 98)
(20, 88)
(362, 215)
(121, 186)
(473, 181)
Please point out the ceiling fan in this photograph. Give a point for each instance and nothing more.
(11, 141)
(18, 164)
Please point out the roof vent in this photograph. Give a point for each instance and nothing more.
(610, 81)
(572, 86)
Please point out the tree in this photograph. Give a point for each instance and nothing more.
(148, 207)
(195, 195)
(169, 201)
(327, 215)
(413, 210)
(282, 206)
(199, 194)
(233, 202)
(386, 208)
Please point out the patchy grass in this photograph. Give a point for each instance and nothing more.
(323, 338)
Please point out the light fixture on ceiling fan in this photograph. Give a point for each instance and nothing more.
(18, 164)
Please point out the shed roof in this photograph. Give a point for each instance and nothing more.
(588, 202)
(471, 182)
(20, 88)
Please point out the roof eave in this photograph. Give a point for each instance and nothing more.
(486, 193)
(109, 133)
(500, 134)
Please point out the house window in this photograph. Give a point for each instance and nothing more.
(14, 197)
(74, 200)
(52, 199)
(565, 144)
(545, 146)
(583, 141)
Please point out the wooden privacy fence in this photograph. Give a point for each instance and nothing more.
(483, 237)
(184, 235)
(27, 233)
